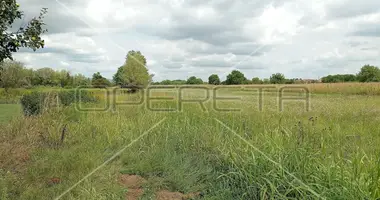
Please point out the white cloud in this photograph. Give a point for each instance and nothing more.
(182, 38)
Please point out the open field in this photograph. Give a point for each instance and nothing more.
(256, 152)
(9, 111)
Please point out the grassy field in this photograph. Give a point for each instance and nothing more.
(330, 151)
(9, 111)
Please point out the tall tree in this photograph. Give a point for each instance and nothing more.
(235, 78)
(25, 36)
(134, 72)
(214, 79)
(369, 73)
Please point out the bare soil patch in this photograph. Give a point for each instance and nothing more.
(134, 184)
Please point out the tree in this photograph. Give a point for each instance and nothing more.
(65, 79)
(214, 79)
(45, 76)
(13, 74)
(256, 80)
(26, 36)
(369, 73)
(134, 72)
(235, 78)
(194, 81)
(118, 78)
(98, 81)
(266, 81)
(339, 78)
(81, 80)
(277, 78)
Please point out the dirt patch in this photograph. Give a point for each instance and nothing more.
(53, 181)
(132, 181)
(134, 194)
(134, 185)
(167, 195)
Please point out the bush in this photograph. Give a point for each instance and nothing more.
(36, 102)
(32, 104)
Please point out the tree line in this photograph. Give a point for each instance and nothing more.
(134, 73)
(367, 73)
(236, 77)
(14, 74)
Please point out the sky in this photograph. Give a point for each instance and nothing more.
(183, 38)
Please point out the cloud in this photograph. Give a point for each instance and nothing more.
(182, 38)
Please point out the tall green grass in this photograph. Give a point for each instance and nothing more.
(329, 152)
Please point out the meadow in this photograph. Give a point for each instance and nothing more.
(244, 148)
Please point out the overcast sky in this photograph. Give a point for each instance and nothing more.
(182, 38)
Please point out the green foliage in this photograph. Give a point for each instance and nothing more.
(339, 78)
(65, 79)
(277, 78)
(134, 71)
(37, 102)
(13, 74)
(81, 80)
(257, 80)
(98, 81)
(194, 81)
(67, 97)
(118, 78)
(247, 155)
(214, 79)
(33, 103)
(171, 82)
(26, 36)
(235, 78)
(369, 73)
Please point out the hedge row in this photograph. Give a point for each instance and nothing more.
(37, 102)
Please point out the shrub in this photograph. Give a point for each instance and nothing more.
(36, 102)
(32, 104)
(66, 97)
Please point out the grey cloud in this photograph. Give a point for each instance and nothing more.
(58, 18)
(369, 31)
(71, 54)
(209, 63)
(346, 9)
(252, 49)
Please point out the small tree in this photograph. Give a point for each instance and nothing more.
(214, 79)
(277, 78)
(235, 78)
(194, 81)
(256, 80)
(98, 81)
(369, 73)
(26, 36)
